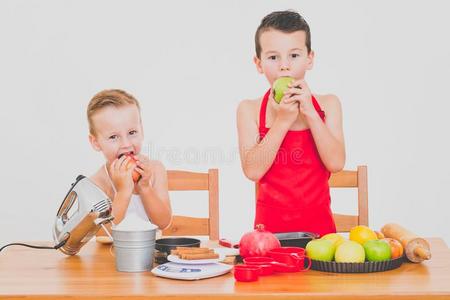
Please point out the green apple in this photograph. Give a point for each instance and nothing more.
(320, 250)
(335, 238)
(377, 250)
(350, 252)
(280, 86)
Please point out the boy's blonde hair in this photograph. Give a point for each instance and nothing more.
(107, 98)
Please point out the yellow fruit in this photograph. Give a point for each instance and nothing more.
(362, 234)
(350, 252)
(335, 238)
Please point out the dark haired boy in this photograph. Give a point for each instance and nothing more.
(290, 148)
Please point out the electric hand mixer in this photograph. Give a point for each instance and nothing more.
(83, 211)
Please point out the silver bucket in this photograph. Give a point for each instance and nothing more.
(134, 250)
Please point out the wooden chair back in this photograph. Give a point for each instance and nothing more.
(195, 181)
(352, 179)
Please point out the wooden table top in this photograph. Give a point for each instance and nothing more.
(31, 273)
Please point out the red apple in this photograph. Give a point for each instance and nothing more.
(136, 176)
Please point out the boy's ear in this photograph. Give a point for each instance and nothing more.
(310, 62)
(94, 142)
(257, 62)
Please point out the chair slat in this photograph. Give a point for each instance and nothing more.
(344, 179)
(187, 181)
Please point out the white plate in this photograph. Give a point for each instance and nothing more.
(191, 272)
(178, 260)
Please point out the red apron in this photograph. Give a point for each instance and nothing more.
(294, 194)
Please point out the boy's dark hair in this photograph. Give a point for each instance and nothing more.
(286, 21)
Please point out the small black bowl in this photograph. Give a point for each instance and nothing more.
(165, 245)
(295, 239)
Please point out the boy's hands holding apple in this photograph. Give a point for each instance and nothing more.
(287, 90)
(131, 170)
(144, 169)
(287, 110)
(121, 170)
(298, 90)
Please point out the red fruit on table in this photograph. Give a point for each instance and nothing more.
(136, 176)
(258, 242)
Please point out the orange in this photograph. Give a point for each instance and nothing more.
(396, 247)
(362, 234)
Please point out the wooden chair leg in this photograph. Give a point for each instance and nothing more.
(213, 184)
(363, 209)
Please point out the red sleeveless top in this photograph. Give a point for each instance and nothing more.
(294, 194)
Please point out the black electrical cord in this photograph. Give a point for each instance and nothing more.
(57, 246)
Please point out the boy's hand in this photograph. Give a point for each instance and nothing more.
(144, 168)
(288, 109)
(299, 91)
(121, 170)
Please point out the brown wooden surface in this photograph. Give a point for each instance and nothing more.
(363, 195)
(344, 179)
(213, 200)
(195, 181)
(42, 274)
(187, 181)
(344, 223)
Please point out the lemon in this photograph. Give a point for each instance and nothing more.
(362, 234)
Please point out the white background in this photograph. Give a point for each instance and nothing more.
(190, 63)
